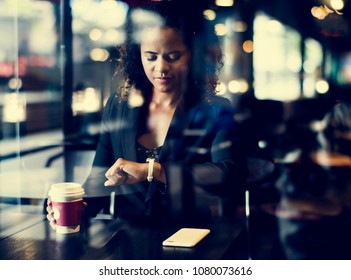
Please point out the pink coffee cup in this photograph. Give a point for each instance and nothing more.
(67, 204)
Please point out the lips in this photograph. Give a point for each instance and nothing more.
(163, 80)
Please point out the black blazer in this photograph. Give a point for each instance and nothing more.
(202, 143)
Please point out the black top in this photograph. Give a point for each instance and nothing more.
(145, 153)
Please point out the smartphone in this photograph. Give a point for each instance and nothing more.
(186, 237)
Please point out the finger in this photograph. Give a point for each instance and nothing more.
(50, 218)
(108, 172)
(49, 202)
(111, 174)
(118, 177)
(114, 168)
(109, 183)
(121, 172)
(53, 225)
(116, 180)
(111, 169)
(129, 170)
(49, 210)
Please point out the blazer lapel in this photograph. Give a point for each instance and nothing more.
(130, 116)
(172, 147)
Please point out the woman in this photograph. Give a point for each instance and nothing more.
(165, 115)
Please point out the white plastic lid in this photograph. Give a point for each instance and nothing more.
(66, 189)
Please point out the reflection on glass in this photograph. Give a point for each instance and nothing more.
(14, 108)
(277, 60)
(86, 101)
(312, 68)
(343, 76)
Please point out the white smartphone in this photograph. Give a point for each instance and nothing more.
(186, 237)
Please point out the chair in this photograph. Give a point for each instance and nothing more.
(260, 180)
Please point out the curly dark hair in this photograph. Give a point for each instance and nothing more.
(198, 35)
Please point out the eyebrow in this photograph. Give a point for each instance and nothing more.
(150, 52)
(171, 52)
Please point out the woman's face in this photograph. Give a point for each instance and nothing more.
(165, 59)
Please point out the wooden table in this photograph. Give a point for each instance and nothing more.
(115, 239)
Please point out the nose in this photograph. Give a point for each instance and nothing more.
(162, 66)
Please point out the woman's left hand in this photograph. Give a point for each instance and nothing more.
(126, 172)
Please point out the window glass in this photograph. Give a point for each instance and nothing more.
(277, 60)
(48, 133)
(312, 67)
(30, 99)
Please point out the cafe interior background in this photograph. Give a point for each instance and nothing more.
(57, 61)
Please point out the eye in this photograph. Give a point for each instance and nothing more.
(172, 57)
(151, 57)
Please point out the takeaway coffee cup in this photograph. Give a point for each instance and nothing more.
(67, 203)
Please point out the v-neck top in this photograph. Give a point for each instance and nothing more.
(143, 153)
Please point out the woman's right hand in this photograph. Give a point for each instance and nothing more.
(125, 172)
(129, 172)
